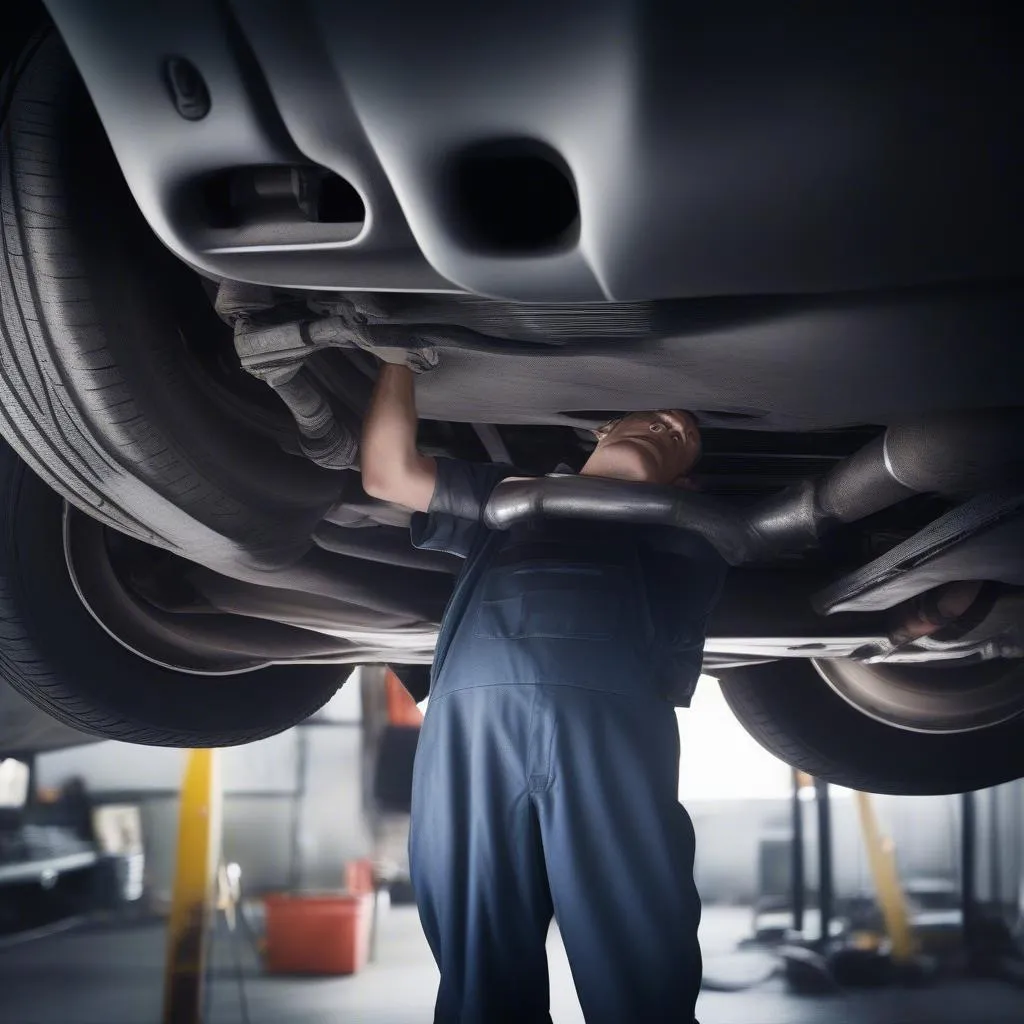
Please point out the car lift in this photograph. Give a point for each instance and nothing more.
(891, 901)
(811, 965)
(193, 904)
(881, 855)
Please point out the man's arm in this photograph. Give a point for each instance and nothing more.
(392, 467)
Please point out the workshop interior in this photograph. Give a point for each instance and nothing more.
(798, 223)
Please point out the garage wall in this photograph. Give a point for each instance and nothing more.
(723, 768)
(256, 836)
(925, 830)
(311, 777)
(267, 766)
(729, 832)
(1000, 853)
(292, 803)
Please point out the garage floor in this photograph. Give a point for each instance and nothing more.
(113, 976)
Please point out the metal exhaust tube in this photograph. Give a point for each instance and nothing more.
(786, 521)
(954, 455)
(951, 455)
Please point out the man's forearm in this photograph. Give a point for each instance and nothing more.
(392, 467)
(390, 425)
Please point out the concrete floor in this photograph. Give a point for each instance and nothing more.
(113, 976)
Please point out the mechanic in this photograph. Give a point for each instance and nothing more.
(546, 778)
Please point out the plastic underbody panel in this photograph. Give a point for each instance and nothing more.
(831, 192)
(798, 225)
(769, 365)
(784, 151)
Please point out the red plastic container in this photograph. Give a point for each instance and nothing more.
(402, 708)
(359, 877)
(317, 934)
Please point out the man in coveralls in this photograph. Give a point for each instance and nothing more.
(546, 777)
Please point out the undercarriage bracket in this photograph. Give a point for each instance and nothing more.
(982, 539)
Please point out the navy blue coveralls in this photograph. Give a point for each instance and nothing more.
(546, 778)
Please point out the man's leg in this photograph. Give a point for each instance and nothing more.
(477, 866)
(619, 852)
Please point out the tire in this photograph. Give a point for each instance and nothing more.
(108, 346)
(794, 714)
(55, 654)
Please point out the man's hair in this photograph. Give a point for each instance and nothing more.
(606, 428)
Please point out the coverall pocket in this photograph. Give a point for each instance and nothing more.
(559, 602)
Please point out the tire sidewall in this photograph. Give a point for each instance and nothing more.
(795, 715)
(83, 677)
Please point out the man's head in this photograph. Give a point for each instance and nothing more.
(654, 447)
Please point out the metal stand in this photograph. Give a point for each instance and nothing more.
(995, 847)
(798, 882)
(968, 871)
(298, 808)
(374, 921)
(826, 891)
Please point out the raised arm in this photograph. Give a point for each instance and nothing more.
(392, 467)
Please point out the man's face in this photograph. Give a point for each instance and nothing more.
(660, 447)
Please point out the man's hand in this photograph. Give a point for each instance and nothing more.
(392, 467)
(393, 345)
(414, 354)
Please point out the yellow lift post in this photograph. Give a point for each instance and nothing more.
(882, 859)
(195, 878)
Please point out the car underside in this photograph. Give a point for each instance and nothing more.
(801, 228)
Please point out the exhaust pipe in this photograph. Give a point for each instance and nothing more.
(788, 520)
(950, 455)
(955, 455)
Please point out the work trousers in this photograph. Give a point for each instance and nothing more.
(534, 800)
